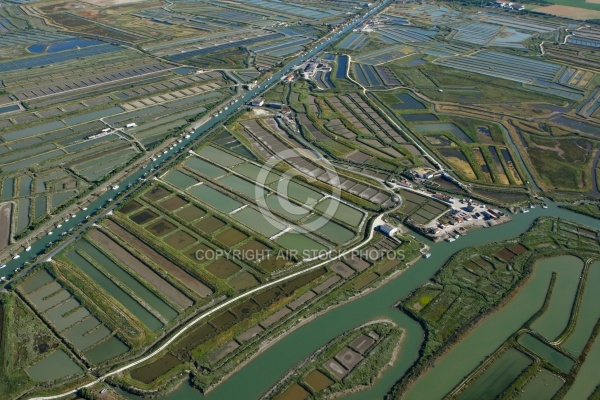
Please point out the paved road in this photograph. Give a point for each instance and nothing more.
(75, 225)
(377, 221)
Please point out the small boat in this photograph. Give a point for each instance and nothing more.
(59, 226)
(3, 266)
(50, 233)
(544, 205)
(427, 255)
(450, 239)
(16, 257)
(28, 248)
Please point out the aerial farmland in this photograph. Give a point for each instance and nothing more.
(298, 200)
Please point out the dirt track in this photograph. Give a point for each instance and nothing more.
(187, 279)
(5, 217)
(126, 258)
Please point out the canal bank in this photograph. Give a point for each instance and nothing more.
(266, 368)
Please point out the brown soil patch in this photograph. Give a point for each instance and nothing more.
(179, 240)
(231, 237)
(150, 372)
(318, 381)
(126, 258)
(244, 280)
(209, 224)
(223, 320)
(130, 207)
(5, 216)
(569, 12)
(156, 193)
(161, 228)
(173, 203)
(223, 268)
(505, 255)
(190, 213)
(91, 14)
(1, 322)
(198, 253)
(187, 279)
(365, 281)
(143, 216)
(518, 248)
(255, 245)
(273, 263)
(294, 392)
(111, 3)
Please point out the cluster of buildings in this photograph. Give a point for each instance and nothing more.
(509, 5)
(313, 66)
(260, 102)
(465, 212)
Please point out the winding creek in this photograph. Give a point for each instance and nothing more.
(263, 371)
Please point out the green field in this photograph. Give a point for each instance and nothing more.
(575, 3)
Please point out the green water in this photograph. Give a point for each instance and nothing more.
(82, 336)
(297, 191)
(254, 220)
(34, 130)
(204, 167)
(215, 198)
(265, 369)
(291, 211)
(93, 115)
(557, 315)
(40, 206)
(252, 171)
(588, 377)
(332, 231)
(57, 365)
(129, 281)
(489, 335)
(37, 298)
(56, 314)
(240, 185)
(59, 198)
(497, 377)
(546, 352)
(219, 156)
(541, 387)
(73, 318)
(25, 185)
(23, 214)
(32, 161)
(115, 291)
(8, 189)
(589, 312)
(179, 179)
(108, 349)
(36, 281)
(300, 243)
(341, 211)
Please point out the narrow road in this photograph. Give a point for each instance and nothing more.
(376, 222)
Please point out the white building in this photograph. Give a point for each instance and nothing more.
(388, 229)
